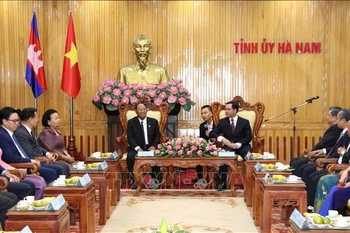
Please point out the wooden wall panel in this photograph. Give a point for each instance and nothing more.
(194, 41)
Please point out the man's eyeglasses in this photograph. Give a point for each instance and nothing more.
(16, 121)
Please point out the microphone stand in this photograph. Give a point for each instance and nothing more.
(294, 110)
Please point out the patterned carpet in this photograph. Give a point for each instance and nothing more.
(186, 189)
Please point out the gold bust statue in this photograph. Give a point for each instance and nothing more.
(143, 71)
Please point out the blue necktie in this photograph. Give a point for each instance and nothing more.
(19, 147)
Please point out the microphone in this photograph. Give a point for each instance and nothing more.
(312, 98)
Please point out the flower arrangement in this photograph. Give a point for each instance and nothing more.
(187, 147)
(113, 92)
(172, 228)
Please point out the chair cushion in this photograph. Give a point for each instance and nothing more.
(154, 114)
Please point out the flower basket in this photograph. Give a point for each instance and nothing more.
(112, 93)
(187, 147)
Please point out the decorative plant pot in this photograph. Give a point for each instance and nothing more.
(110, 113)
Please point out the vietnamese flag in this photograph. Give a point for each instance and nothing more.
(71, 75)
(35, 74)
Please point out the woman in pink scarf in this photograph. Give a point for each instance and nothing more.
(38, 181)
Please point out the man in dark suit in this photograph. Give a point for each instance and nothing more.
(310, 176)
(235, 133)
(328, 140)
(7, 201)
(143, 134)
(13, 151)
(24, 132)
(204, 129)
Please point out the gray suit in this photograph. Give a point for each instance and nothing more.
(33, 149)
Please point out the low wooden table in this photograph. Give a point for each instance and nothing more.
(283, 195)
(183, 163)
(39, 221)
(256, 191)
(100, 179)
(114, 179)
(295, 229)
(248, 177)
(83, 197)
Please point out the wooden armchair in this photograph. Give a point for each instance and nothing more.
(3, 183)
(126, 112)
(253, 113)
(33, 168)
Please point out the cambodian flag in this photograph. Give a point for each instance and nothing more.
(35, 74)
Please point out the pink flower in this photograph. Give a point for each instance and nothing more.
(193, 148)
(199, 153)
(172, 82)
(173, 90)
(170, 152)
(152, 93)
(162, 95)
(117, 92)
(189, 153)
(169, 147)
(157, 151)
(198, 142)
(125, 100)
(127, 93)
(182, 101)
(184, 144)
(158, 101)
(106, 99)
(179, 152)
(134, 100)
(178, 147)
(172, 99)
(97, 98)
(115, 103)
(215, 153)
(139, 93)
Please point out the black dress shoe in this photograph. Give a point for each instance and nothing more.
(222, 186)
(134, 186)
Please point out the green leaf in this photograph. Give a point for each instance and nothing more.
(187, 107)
(164, 226)
(171, 107)
(110, 107)
(98, 105)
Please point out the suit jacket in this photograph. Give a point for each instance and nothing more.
(135, 135)
(10, 154)
(332, 152)
(242, 133)
(329, 137)
(346, 155)
(29, 144)
(202, 129)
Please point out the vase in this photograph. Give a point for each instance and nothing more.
(175, 110)
(110, 113)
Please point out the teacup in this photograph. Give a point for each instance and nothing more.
(332, 213)
(22, 205)
(63, 177)
(29, 199)
(80, 165)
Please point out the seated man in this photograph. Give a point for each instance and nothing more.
(235, 133)
(143, 134)
(13, 151)
(7, 201)
(310, 176)
(25, 135)
(328, 140)
(204, 129)
(21, 188)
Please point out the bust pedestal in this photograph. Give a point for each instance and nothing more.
(115, 129)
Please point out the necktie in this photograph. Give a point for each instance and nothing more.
(33, 136)
(336, 145)
(232, 125)
(19, 147)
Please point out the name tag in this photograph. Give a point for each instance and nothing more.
(83, 181)
(57, 203)
(227, 154)
(299, 220)
(26, 229)
(145, 153)
(114, 155)
(102, 166)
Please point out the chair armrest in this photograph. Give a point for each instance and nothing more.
(332, 168)
(258, 144)
(19, 173)
(321, 162)
(34, 168)
(3, 183)
(122, 145)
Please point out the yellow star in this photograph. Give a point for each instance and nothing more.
(72, 55)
